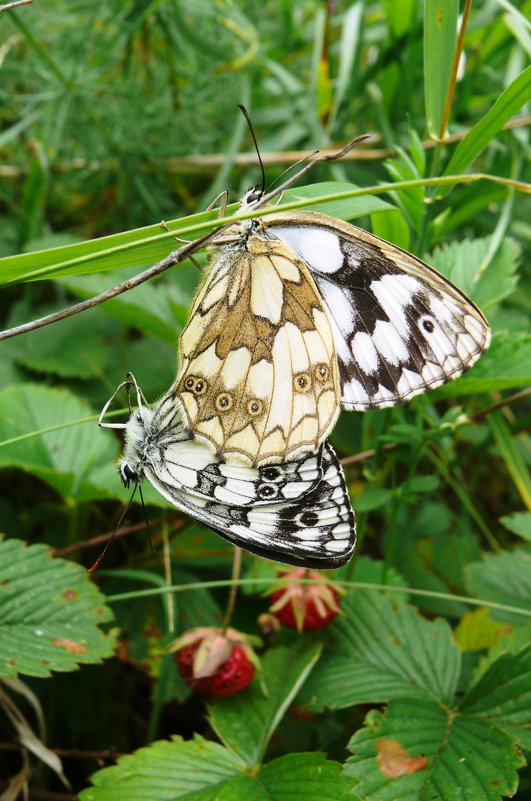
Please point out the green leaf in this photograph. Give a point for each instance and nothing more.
(519, 523)
(71, 348)
(160, 310)
(440, 38)
(399, 16)
(372, 498)
(486, 280)
(419, 749)
(65, 458)
(50, 613)
(383, 649)
(392, 227)
(511, 455)
(246, 721)
(505, 365)
(199, 770)
(504, 578)
(508, 103)
(144, 246)
(503, 695)
(345, 208)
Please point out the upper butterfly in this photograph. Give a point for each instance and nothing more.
(299, 314)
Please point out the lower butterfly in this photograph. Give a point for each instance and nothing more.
(296, 512)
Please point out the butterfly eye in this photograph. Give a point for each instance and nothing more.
(223, 402)
(302, 382)
(267, 491)
(427, 323)
(255, 407)
(321, 372)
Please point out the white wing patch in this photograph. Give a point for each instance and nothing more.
(399, 327)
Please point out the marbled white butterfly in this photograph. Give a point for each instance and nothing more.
(299, 314)
(297, 512)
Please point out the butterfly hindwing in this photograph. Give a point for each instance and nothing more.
(297, 512)
(399, 327)
(258, 377)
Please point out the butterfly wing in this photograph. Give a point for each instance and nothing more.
(182, 463)
(312, 529)
(258, 378)
(399, 326)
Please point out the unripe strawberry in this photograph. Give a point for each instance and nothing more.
(305, 607)
(213, 663)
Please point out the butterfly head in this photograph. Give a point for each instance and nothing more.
(250, 198)
(137, 433)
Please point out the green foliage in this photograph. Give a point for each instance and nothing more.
(41, 630)
(121, 115)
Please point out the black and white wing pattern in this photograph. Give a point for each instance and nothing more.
(297, 512)
(400, 328)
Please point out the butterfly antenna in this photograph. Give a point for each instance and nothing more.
(119, 523)
(292, 167)
(148, 527)
(249, 123)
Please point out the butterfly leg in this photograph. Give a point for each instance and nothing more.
(105, 408)
(185, 242)
(222, 199)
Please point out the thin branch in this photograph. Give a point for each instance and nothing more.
(176, 257)
(364, 456)
(101, 538)
(236, 569)
(9, 6)
(454, 70)
(211, 162)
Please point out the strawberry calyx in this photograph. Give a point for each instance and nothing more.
(305, 607)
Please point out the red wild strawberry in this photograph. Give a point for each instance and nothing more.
(305, 607)
(213, 663)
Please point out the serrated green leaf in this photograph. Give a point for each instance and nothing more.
(507, 104)
(418, 749)
(504, 578)
(166, 770)
(50, 613)
(486, 281)
(246, 721)
(519, 523)
(159, 310)
(71, 348)
(65, 458)
(502, 695)
(199, 770)
(383, 649)
(505, 365)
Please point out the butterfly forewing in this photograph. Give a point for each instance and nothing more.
(399, 327)
(258, 378)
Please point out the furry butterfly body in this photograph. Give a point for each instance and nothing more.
(297, 512)
(300, 295)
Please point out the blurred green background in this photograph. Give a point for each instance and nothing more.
(117, 115)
